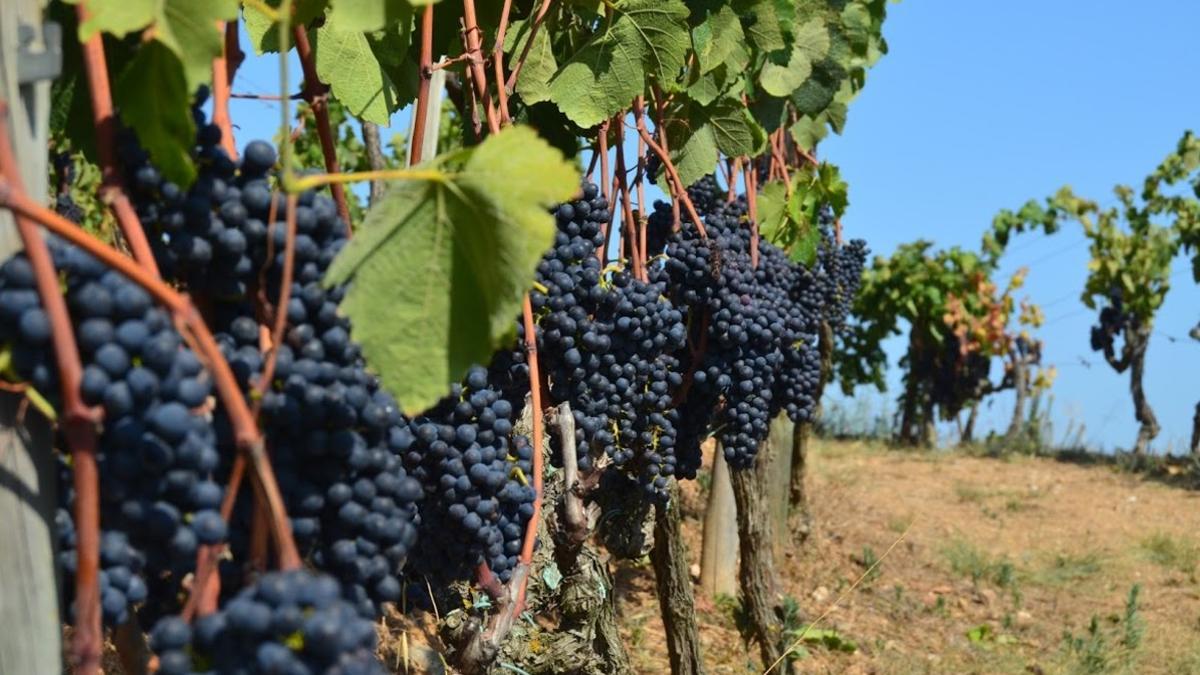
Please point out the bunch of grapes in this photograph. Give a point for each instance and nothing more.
(1114, 321)
(157, 453)
(478, 498)
(286, 622)
(609, 343)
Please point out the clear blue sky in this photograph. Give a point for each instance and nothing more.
(980, 106)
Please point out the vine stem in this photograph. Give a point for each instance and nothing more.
(206, 587)
(602, 141)
(535, 394)
(425, 75)
(673, 175)
(498, 63)
(223, 69)
(537, 22)
(478, 72)
(750, 180)
(78, 421)
(246, 432)
(105, 121)
(734, 170)
(315, 94)
(635, 255)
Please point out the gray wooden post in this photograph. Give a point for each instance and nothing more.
(719, 548)
(30, 641)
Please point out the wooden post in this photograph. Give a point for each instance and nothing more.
(778, 482)
(31, 640)
(718, 558)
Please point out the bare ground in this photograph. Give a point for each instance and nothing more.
(1002, 567)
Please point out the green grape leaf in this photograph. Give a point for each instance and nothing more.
(719, 41)
(645, 38)
(698, 135)
(533, 82)
(116, 17)
(808, 131)
(811, 44)
(764, 24)
(348, 63)
(264, 33)
(369, 15)
(440, 266)
(772, 214)
(856, 26)
(187, 27)
(163, 122)
(706, 88)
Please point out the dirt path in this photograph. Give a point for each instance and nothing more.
(1001, 560)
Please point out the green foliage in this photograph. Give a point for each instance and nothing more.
(1132, 243)
(789, 213)
(441, 264)
(1173, 553)
(642, 40)
(163, 122)
(180, 40)
(1110, 646)
(81, 184)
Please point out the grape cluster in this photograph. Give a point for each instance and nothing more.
(478, 500)
(158, 451)
(837, 272)
(608, 342)
(1114, 321)
(211, 235)
(286, 622)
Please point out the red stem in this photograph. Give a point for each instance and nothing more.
(478, 73)
(78, 425)
(111, 192)
(498, 63)
(426, 72)
(673, 175)
(750, 178)
(537, 23)
(223, 69)
(314, 94)
(246, 433)
(535, 393)
(635, 256)
(603, 182)
(280, 311)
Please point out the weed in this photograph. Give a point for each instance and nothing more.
(969, 493)
(1178, 554)
(1069, 568)
(900, 524)
(968, 560)
(869, 561)
(1107, 649)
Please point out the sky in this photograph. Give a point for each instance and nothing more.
(981, 106)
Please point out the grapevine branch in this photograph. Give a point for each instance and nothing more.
(96, 66)
(249, 440)
(478, 73)
(314, 93)
(603, 181)
(426, 73)
(498, 63)
(750, 180)
(223, 69)
(635, 255)
(673, 175)
(537, 22)
(78, 421)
